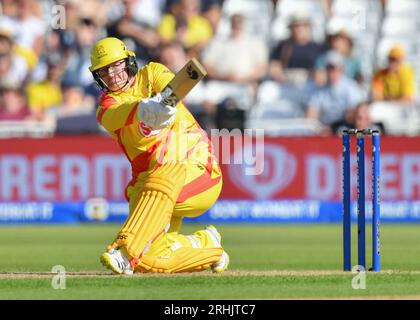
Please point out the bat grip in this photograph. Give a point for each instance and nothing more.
(169, 97)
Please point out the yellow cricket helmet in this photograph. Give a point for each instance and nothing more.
(107, 51)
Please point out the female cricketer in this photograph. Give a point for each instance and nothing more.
(174, 172)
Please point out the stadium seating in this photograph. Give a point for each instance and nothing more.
(399, 26)
(279, 110)
(402, 8)
(397, 119)
(287, 8)
(374, 29)
(258, 15)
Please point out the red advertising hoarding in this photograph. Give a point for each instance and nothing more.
(82, 167)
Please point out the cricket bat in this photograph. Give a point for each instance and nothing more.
(183, 82)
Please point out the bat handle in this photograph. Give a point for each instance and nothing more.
(169, 97)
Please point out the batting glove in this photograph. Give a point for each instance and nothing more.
(155, 113)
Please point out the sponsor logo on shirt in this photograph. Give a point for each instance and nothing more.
(147, 131)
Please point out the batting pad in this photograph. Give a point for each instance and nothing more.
(181, 260)
(153, 211)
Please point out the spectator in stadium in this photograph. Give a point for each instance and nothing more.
(174, 57)
(52, 47)
(183, 23)
(97, 10)
(67, 36)
(30, 30)
(235, 65)
(76, 113)
(326, 6)
(213, 12)
(336, 100)
(223, 61)
(297, 54)
(8, 7)
(13, 105)
(74, 102)
(149, 12)
(341, 42)
(46, 93)
(12, 66)
(129, 26)
(73, 12)
(78, 59)
(174, 174)
(396, 82)
(359, 119)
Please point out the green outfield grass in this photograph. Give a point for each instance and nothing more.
(267, 262)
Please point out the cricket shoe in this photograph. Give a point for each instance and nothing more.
(116, 261)
(221, 265)
(214, 236)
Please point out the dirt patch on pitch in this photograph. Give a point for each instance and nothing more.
(40, 275)
(238, 273)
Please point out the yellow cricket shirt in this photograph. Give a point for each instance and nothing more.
(146, 148)
(199, 30)
(44, 95)
(395, 85)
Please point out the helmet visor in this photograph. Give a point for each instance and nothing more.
(112, 69)
(112, 77)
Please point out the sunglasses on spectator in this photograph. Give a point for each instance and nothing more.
(88, 22)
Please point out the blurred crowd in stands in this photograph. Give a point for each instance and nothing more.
(286, 66)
